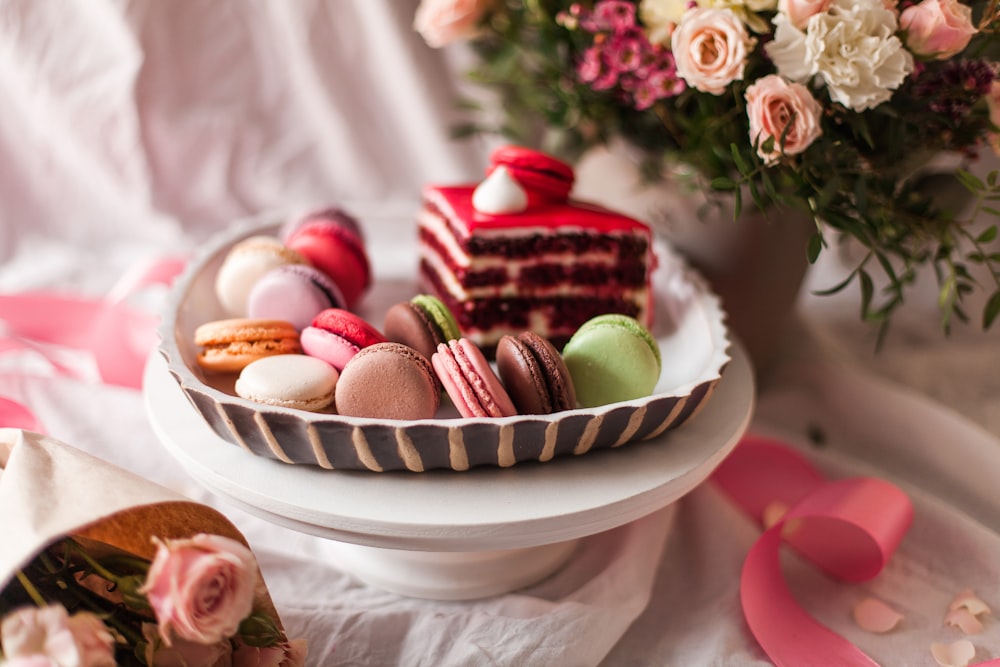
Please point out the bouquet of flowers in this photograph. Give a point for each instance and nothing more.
(99, 568)
(830, 107)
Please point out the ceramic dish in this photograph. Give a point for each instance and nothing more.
(690, 330)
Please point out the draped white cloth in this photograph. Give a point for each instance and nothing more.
(136, 128)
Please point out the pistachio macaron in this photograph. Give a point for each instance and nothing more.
(423, 323)
(612, 358)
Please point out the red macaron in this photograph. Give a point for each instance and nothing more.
(470, 381)
(336, 335)
(543, 177)
(336, 249)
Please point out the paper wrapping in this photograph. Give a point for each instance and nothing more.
(49, 489)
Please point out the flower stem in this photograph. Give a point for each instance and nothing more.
(30, 589)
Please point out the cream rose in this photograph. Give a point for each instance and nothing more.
(937, 28)
(786, 112)
(710, 48)
(441, 22)
(799, 11)
(200, 588)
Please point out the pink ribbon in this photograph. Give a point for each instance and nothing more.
(849, 528)
(75, 334)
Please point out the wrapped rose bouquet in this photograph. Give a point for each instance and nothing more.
(108, 569)
(830, 107)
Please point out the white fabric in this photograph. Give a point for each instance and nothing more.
(135, 128)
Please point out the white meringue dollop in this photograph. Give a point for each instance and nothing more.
(499, 193)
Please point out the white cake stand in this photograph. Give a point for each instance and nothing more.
(458, 535)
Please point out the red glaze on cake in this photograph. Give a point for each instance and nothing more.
(548, 268)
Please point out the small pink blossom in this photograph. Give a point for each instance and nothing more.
(937, 29)
(799, 11)
(50, 633)
(441, 22)
(610, 16)
(710, 48)
(200, 588)
(784, 111)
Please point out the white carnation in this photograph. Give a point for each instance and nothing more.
(852, 48)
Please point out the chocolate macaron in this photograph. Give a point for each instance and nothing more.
(534, 374)
(388, 381)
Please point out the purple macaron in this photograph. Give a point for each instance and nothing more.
(294, 293)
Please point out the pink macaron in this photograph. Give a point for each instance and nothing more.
(336, 335)
(295, 293)
(470, 381)
(337, 250)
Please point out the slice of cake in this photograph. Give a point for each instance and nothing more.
(515, 253)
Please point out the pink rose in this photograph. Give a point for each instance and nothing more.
(201, 588)
(937, 28)
(50, 633)
(799, 11)
(182, 653)
(289, 654)
(441, 22)
(778, 108)
(710, 48)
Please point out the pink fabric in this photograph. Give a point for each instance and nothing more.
(116, 336)
(849, 528)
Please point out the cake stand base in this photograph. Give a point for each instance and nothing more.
(457, 536)
(451, 575)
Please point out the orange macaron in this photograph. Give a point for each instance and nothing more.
(229, 345)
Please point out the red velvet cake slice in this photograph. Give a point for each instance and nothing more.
(514, 253)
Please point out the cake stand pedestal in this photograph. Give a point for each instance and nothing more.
(458, 535)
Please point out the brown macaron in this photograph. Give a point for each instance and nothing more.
(388, 381)
(534, 374)
(229, 345)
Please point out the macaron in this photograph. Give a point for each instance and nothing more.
(336, 250)
(423, 323)
(330, 213)
(295, 293)
(388, 381)
(336, 335)
(470, 381)
(229, 345)
(289, 381)
(612, 358)
(244, 264)
(534, 374)
(544, 177)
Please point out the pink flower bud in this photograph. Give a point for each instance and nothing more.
(442, 22)
(938, 29)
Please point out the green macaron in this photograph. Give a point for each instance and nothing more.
(612, 358)
(439, 314)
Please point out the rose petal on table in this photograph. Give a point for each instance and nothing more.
(876, 616)
(964, 620)
(956, 654)
(967, 599)
(772, 513)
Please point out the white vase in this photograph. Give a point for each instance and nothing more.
(756, 263)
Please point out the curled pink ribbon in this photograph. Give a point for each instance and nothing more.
(849, 528)
(75, 334)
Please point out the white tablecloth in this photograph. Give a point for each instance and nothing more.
(133, 129)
